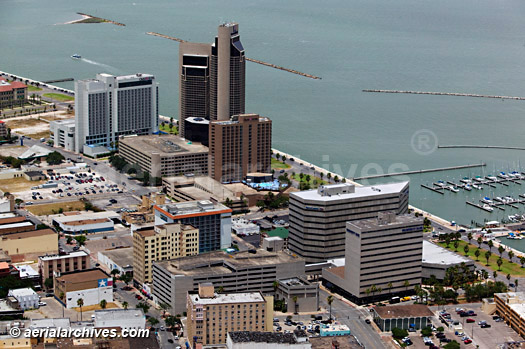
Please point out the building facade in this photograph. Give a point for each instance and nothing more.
(511, 307)
(166, 155)
(91, 285)
(237, 272)
(240, 146)
(166, 241)
(12, 93)
(30, 242)
(267, 340)
(212, 315)
(3, 129)
(63, 263)
(63, 133)
(307, 294)
(212, 219)
(318, 217)
(402, 316)
(25, 298)
(112, 106)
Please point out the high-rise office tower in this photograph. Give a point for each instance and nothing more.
(239, 146)
(212, 79)
(112, 106)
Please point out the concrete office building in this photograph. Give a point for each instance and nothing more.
(307, 294)
(166, 241)
(379, 251)
(212, 78)
(213, 220)
(240, 146)
(267, 340)
(118, 258)
(63, 133)
(165, 155)
(112, 106)
(237, 272)
(212, 315)
(318, 217)
(63, 263)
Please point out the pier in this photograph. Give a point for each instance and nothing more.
(480, 146)
(456, 94)
(58, 80)
(248, 59)
(102, 20)
(435, 190)
(419, 171)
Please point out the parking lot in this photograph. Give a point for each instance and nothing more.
(53, 309)
(491, 337)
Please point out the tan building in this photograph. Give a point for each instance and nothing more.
(166, 241)
(91, 285)
(165, 155)
(240, 146)
(3, 129)
(212, 315)
(12, 93)
(63, 263)
(29, 242)
(511, 307)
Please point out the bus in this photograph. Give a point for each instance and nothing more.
(395, 300)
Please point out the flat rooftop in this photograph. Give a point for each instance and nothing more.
(434, 254)
(28, 234)
(262, 337)
(375, 224)
(10, 220)
(14, 225)
(50, 323)
(112, 315)
(192, 208)
(69, 255)
(227, 298)
(20, 292)
(64, 219)
(123, 257)
(87, 221)
(294, 282)
(403, 311)
(358, 192)
(83, 275)
(165, 145)
(219, 262)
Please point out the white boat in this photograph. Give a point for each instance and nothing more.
(509, 199)
(468, 187)
(503, 175)
(492, 178)
(475, 186)
(487, 200)
(454, 189)
(76, 56)
(488, 208)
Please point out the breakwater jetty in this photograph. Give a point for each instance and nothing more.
(248, 59)
(420, 171)
(480, 146)
(456, 94)
(95, 19)
(58, 80)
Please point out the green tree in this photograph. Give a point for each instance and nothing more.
(144, 306)
(522, 261)
(516, 285)
(103, 304)
(330, 300)
(125, 305)
(153, 321)
(406, 284)
(487, 256)
(477, 253)
(456, 245)
(452, 345)
(508, 277)
(500, 262)
(511, 255)
(69, 239)
(48, 283)
(81, 240)
(469, 237)
(80, 303)
(466, 249)
(447, 240)
(296, 306)
(115, 272)
(390, 285)
(501, 249)
(399, 333)
(55, 158)
(170, 321)
(490, 244)
(495, 274)
(480, 241)
(427, 331)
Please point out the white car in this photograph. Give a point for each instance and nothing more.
(42, 304)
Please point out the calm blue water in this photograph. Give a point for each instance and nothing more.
(475, 46)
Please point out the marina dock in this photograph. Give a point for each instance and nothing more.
(456, 94)
(248, 59)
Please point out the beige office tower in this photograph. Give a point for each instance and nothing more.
(240, 146)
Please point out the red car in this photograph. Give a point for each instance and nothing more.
(469, 320)
(467, 341)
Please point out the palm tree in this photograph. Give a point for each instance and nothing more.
(164, 306)
(477, 253)
(447, 240)
(275, 285)
(103, 304)
(469, 237)
(508, 278)
(406, 284)
(295, 298)
(487, 256)
(456, 245)
(516, 285)
(522, 260)
(465, 249)
(390, 287)
(80, 303)
(501, 249)
(495, 274)
(125, 305)
(220, 289)
(490, 244)
(373, 289)
(500, 262)
(511, 254)
(480, 241)
(330, 300)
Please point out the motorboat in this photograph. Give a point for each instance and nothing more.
(76, 56)
(487, 200)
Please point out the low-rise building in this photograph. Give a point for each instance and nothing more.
(91, 222)
(340, 342)
(164, 155)
(402, 316)
(63, 133)
(267, 340)
(24, 298)
(436, 261)
(36, 242)
(212, 315)
(63, 263)
(3, 129)
(273, 244)
(120, 318)
(334, 330)
(163, 242)
(120, 259)
(511, 307)
(307, 294)
(12, 93)
(194, 188)
(211, 218)
(92, 285)
(34, 175)
(248, 271)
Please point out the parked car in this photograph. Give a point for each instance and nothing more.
(368, 321)
(485, 326)
(467, 341)
(469, 320)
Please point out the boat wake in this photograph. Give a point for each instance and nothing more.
(106, 66)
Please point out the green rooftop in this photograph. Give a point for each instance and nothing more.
(280, 232)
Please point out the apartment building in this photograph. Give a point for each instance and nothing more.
(383, 257)
(162, 242)
(211, 218)
(108, 107)
(212, 315)
(240, 146)
(318, 217)
(165, 155)
(248, 271)
(511, 307)
(62, 263)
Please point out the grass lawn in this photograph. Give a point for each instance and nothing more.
(278, 165)
(59, 97)
(31, 88)
(14, 185)
(166, 128)
(318, 181)
(47, 209)
(95, 307)
(513, 269)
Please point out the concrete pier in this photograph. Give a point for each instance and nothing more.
(479, 146)
(420, 171)
(456, 94)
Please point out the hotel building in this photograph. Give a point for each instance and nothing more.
(318, 217)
